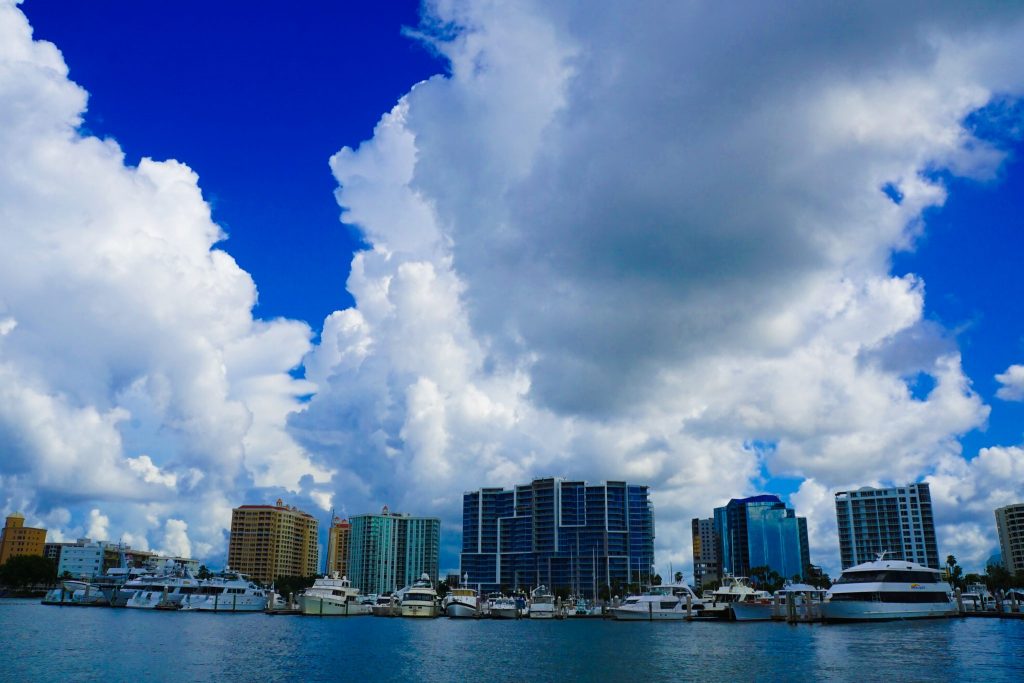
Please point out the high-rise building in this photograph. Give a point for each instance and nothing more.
(761, 531)
(1010, 525)
(271, 541)
(16, 539)
(338, 537)
(390, 550)
(897, 521)
(705, 552)
(563, 534)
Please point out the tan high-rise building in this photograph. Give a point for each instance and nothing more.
(271, 541)
(338, 546)
(1010, 526)
(18, 539)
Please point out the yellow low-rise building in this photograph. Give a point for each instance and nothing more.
(17, 539)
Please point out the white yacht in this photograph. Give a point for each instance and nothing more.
(461, 602)
(734, 589)
(161, 592)
(660, 603)
(420, 600)
(806, 599)
(387, 606)
(889, 589)
(226, 592)
(542, 603)
(332, 596)
(501, 607)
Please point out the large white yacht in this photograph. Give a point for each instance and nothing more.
(161, 592)
(420, 600)
(671, 602)
(889, 589)
(542, 603)
(734, 589)
(226, 592)
(332, 596)
(461, 602)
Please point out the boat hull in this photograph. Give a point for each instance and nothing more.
(545, 612)
(752, 611)
(319, 606)
(226, 603)
(621, 614)
(458, 610)
(419, 610)
(851, 610)
(504, 613)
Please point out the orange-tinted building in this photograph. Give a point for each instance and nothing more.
(18, 539)
(271, 541)
(338, 541)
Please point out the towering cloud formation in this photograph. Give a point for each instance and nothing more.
(652, 242)
(646, 241)
(132, 373)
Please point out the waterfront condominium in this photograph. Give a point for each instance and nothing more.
(271, 541)
(1010, 525)
(705, 552)
(338, 537)
(761, 531)
(16, 539)
(897, 521)
(564, 534)
(390, 550)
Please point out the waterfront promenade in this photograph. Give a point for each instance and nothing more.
(43, 643)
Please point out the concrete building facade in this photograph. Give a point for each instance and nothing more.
(271, 541)
(1010, 526)
(339, 538)
(16, 539)
(896, 520)
(706, 566)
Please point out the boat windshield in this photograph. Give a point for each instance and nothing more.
(419, 597)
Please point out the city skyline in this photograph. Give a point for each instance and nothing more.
(355, 256)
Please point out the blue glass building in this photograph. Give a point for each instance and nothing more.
(761, 531)
(563, 534)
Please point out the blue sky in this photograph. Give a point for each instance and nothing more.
(568, 252)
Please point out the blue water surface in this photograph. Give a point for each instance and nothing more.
(46, 643)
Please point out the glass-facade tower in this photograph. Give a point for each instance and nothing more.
(563, 534)
(761, 532)
(390, 550)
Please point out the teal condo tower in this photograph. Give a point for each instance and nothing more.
(390, 550)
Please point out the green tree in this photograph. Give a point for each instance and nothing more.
(442, 588)
(288, 585)
(766, 578)
(656, 581)
(203, 572)
(997, 577)
(678, 577)
(954, 572)
(28, 570)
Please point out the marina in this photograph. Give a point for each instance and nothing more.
(179, 646)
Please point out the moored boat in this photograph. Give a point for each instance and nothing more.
(420, 600)
(332, 596)
(461, 603)
(806, 604)
(734, 590)
(226, 592)
(542, 603)
(888, 590)
(502, 607)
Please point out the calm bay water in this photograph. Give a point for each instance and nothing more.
(44, 643)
